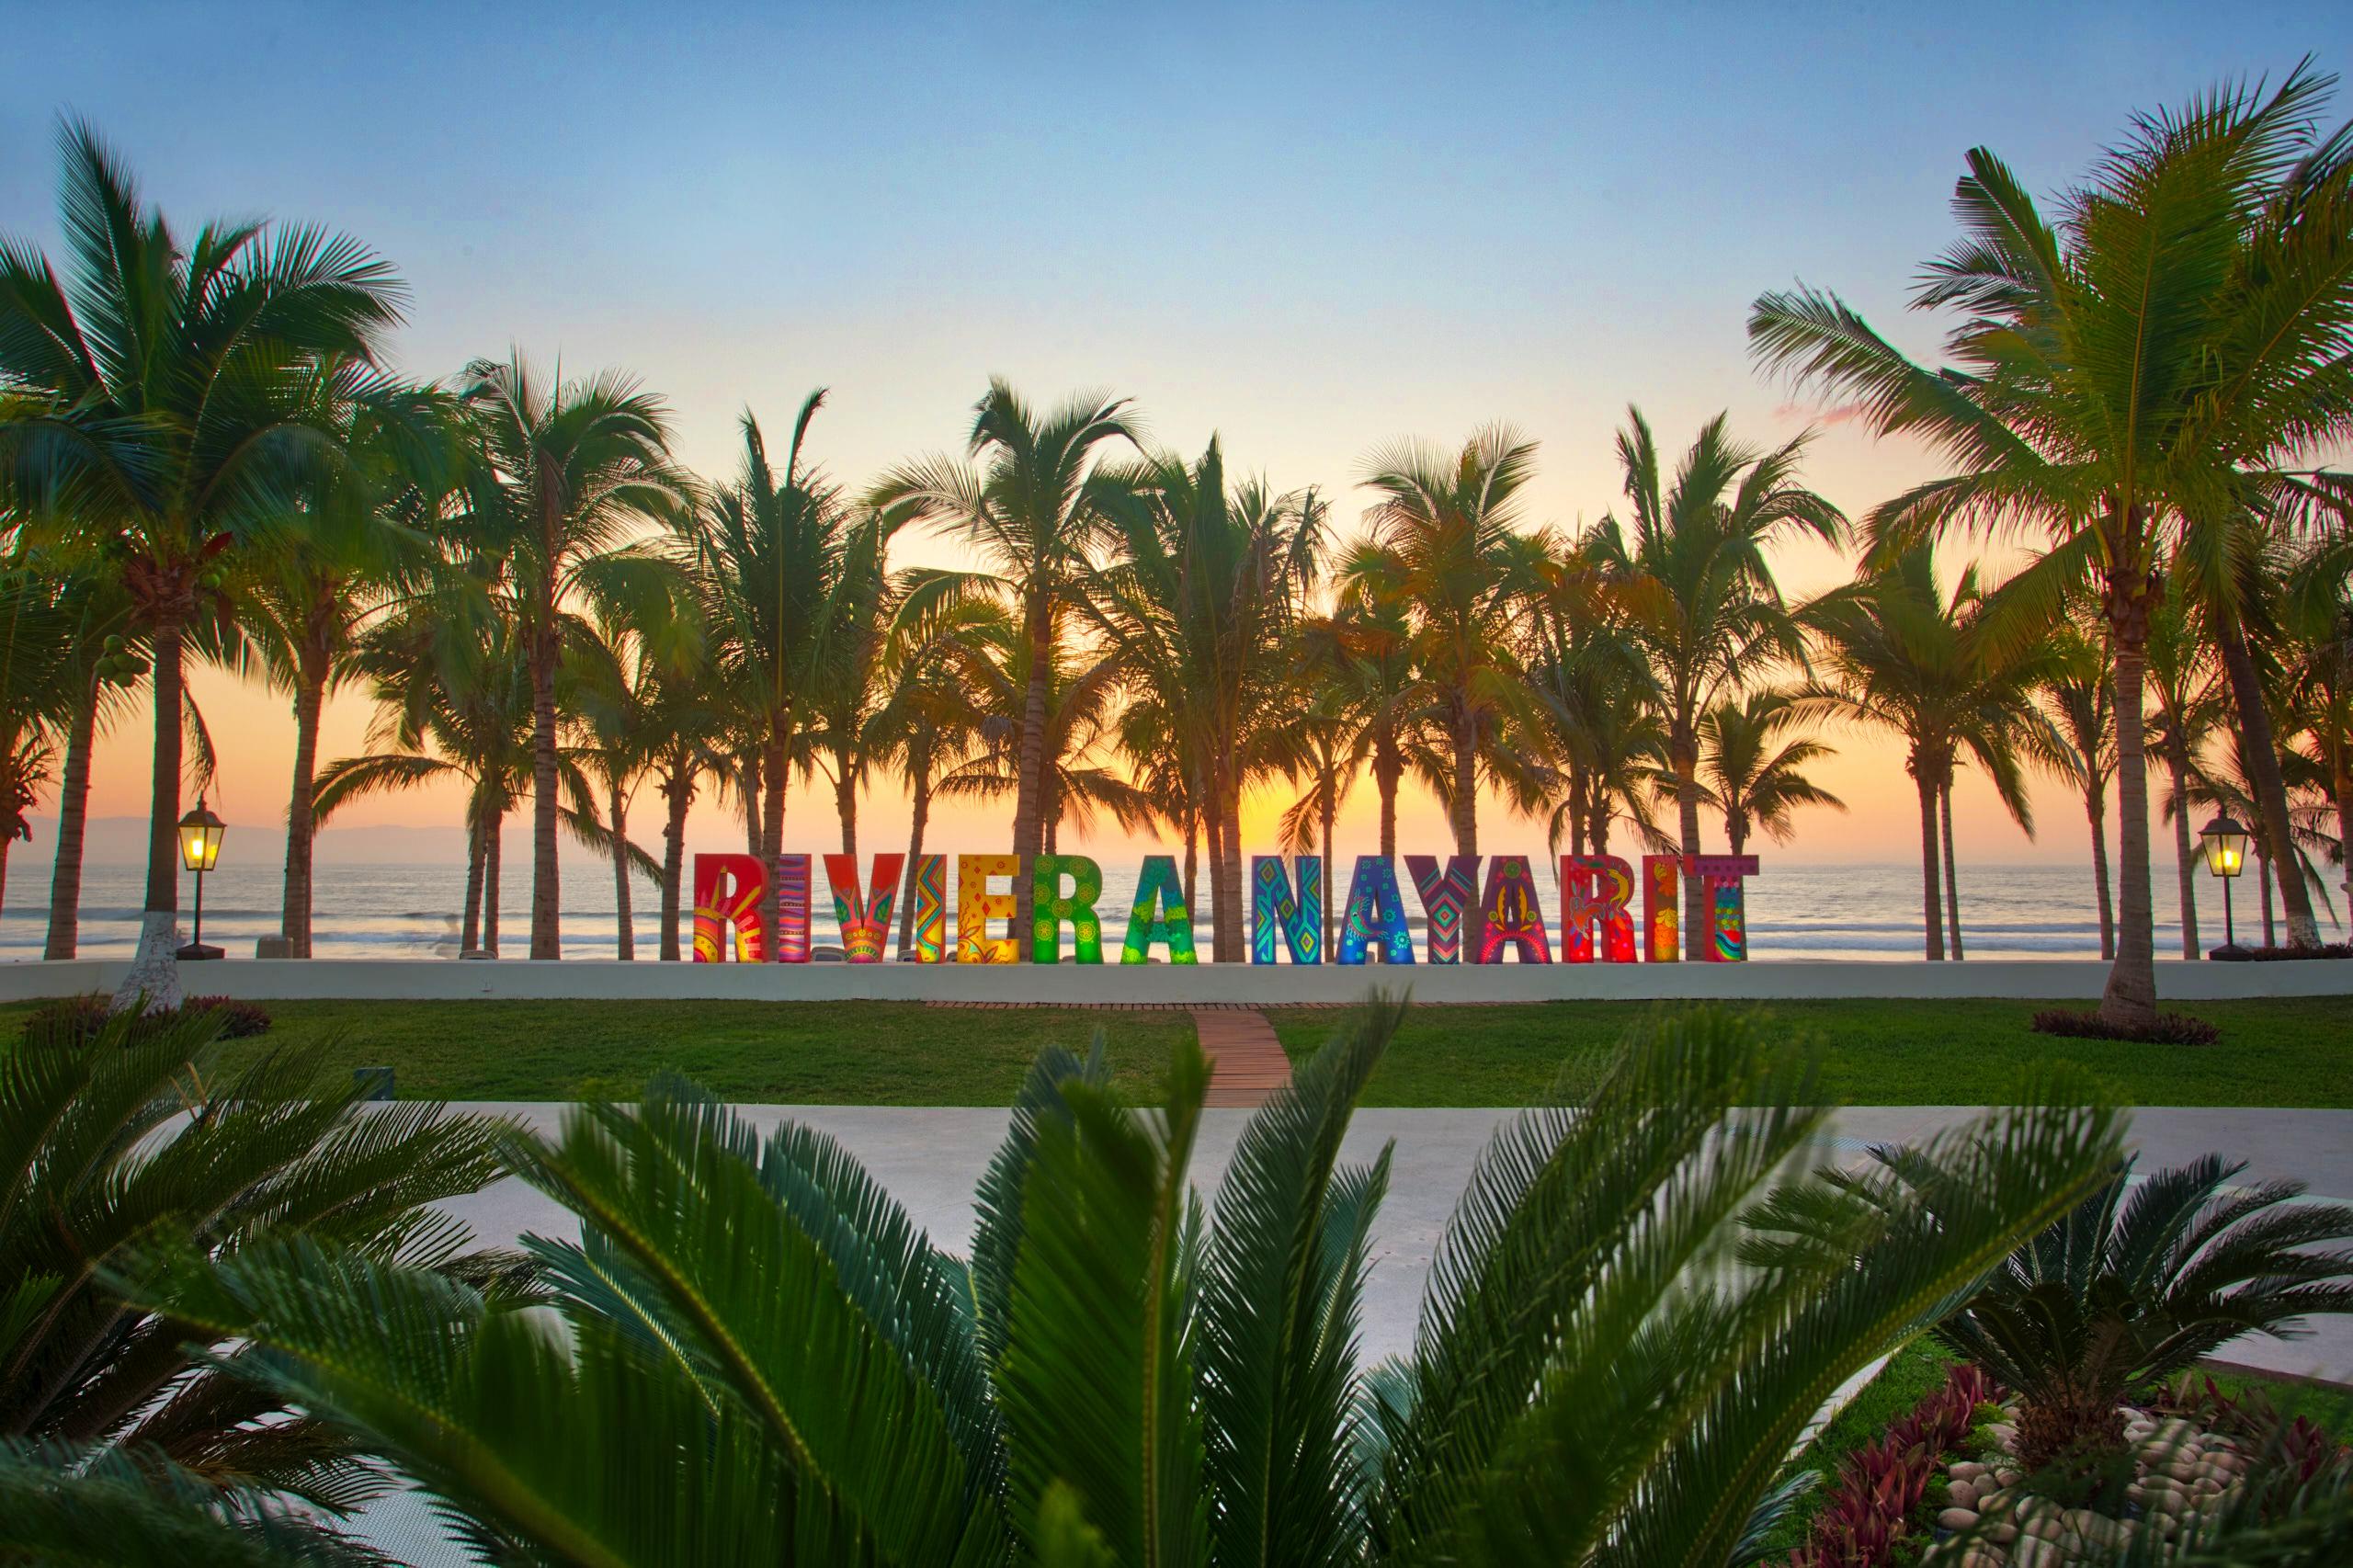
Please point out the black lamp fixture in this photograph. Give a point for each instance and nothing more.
(2225, 840)
(201, 834)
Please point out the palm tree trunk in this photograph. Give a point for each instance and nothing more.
(1192, 859)
(547, 935)
(301, 820)
(72, 823)
(625, 918)
(1229, 913)
(1466, 785)
(2131, 998)
(1029, 801)
(678, 792)
(2185, 860)
(1332, 868)
(2265, 875)
(846, 803)
(1683, 751)
(772, 788)
(747, 773)
(2271, 786)
(492, 830)
(1213, 823)
(1931, 902)
(155, 971)
(2344, 793)
(470, 928)
(1387, 769)
(1578, 810)
(1952, 871)
(921, 819)
(2096, 810)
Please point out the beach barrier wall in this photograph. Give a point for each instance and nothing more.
(2051, 979)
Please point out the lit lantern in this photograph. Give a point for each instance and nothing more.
(201, 834)
(2225, 839)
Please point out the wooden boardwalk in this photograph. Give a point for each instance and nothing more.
(1246, 1062)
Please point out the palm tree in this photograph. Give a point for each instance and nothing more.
(1120, 1375)
(690, 728)
(850, 690)
(1362, 653)
(1757, 785)
(40, 694)
(364, 531)
(1903, 656)
(1444, 543)
(173, 402)
(105, 671)
(1595, 718)
(2319, 614)
(139, 1141)
(564, 471)
(1333, 748)
(783, 563)
(2080, 747)
(1203, 588)
(1033, 509)
(1695, 588)
(1078, 786)
(623, 683)
(929, 723)
(2190, 713)
(2144, 370)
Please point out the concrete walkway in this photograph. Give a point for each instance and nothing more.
(929, 1158)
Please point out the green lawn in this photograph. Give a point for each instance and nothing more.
(2295, 1051)
(760, 1052)
(2289, 1052)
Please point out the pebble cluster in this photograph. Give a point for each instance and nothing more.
(1989, 1523)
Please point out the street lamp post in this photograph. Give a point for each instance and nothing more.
(2225, 839)
(201, 834)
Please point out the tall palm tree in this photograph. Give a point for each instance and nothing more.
(1445, 543)
(2142, 370)
(174, 407)
(363, 533)
(40, 694)
(1203, 585)
(1333, 749)
(106, 670)
(784, 562)
(1030, 499)
(930, 723)
(2319, 616)
(1903, 656)
(2190, 713)
(850, 691)
(1079, 785)
(1596, 716)
(1362, 652)
(622, 681)
(567, 472)
(1751, 765)
(2080, 747)
(1696, 590)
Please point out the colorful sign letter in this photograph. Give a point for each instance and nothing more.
(1594, 890)
(976, 906)
(1049, 906)
(926, 912)
(864, 917)
(1512, 914)
(1300, 920)
(1661, 887)
(1446, 902)
(1727, 938)
(792, 873)
(1375, 920)
(1160, 914)
(727, 903)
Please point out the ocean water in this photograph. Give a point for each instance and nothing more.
(412, 911)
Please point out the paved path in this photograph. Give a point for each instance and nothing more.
(929, 1158)
(1246, 1062)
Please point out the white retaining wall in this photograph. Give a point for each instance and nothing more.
(594, 979)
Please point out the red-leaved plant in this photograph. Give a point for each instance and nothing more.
(1871, 1504)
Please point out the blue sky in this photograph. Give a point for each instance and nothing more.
(1313, 229)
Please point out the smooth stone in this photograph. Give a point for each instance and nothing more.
(1964, 1470)
(1964, 1494)
(1958, 1518)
